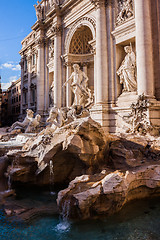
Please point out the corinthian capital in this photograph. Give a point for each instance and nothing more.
(98, 3)
(56, 29)
(40, 42)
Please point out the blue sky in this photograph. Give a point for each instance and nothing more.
(17, 17)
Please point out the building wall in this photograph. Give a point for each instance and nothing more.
(4, 114)
(14, 101)
(47, 57)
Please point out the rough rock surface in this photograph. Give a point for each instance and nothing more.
(4, 163)
(130, 151)
(74, 149)
(104, 194)
(27, 207)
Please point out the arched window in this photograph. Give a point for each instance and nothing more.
(79, 43)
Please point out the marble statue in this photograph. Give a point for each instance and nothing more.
(78, 82)
(51, 51)
(33, 124)
(125, 12)
(39, 10)
(55, 118)
(126, 72)
(23, 125)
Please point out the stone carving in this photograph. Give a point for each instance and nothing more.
(51, 51)
(23, 125)
(125, 10)
(138, 118)
(33, 124)
(55, 118)
(78, 82)
(39, 11)
(76, 112)
(126, 72)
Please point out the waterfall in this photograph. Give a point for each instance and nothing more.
(9, 177)
(64, 225)
(9, 182)
(65, 210)
(51, 172)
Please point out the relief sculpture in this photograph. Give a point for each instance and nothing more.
(125, 9)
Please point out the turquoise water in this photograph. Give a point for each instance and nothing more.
(137, 221)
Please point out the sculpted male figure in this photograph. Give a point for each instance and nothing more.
(25, 123)
(39, 10)
(55, 118)
(33, 124)
(126, 72)
(78, 82)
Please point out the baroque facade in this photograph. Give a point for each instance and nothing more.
(116, 45)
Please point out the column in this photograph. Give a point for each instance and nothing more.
(68, 88)
(40, 78)
(57, 68)
(29, 62)
(145, 78)
(101, 53)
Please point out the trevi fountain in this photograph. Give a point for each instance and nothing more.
(87, 167)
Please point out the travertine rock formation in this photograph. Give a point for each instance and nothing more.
(74, 149)
(104, 194)
(131, 151)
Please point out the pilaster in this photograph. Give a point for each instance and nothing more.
(29, 62)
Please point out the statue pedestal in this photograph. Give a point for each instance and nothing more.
(103, 114)
(126, 99)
